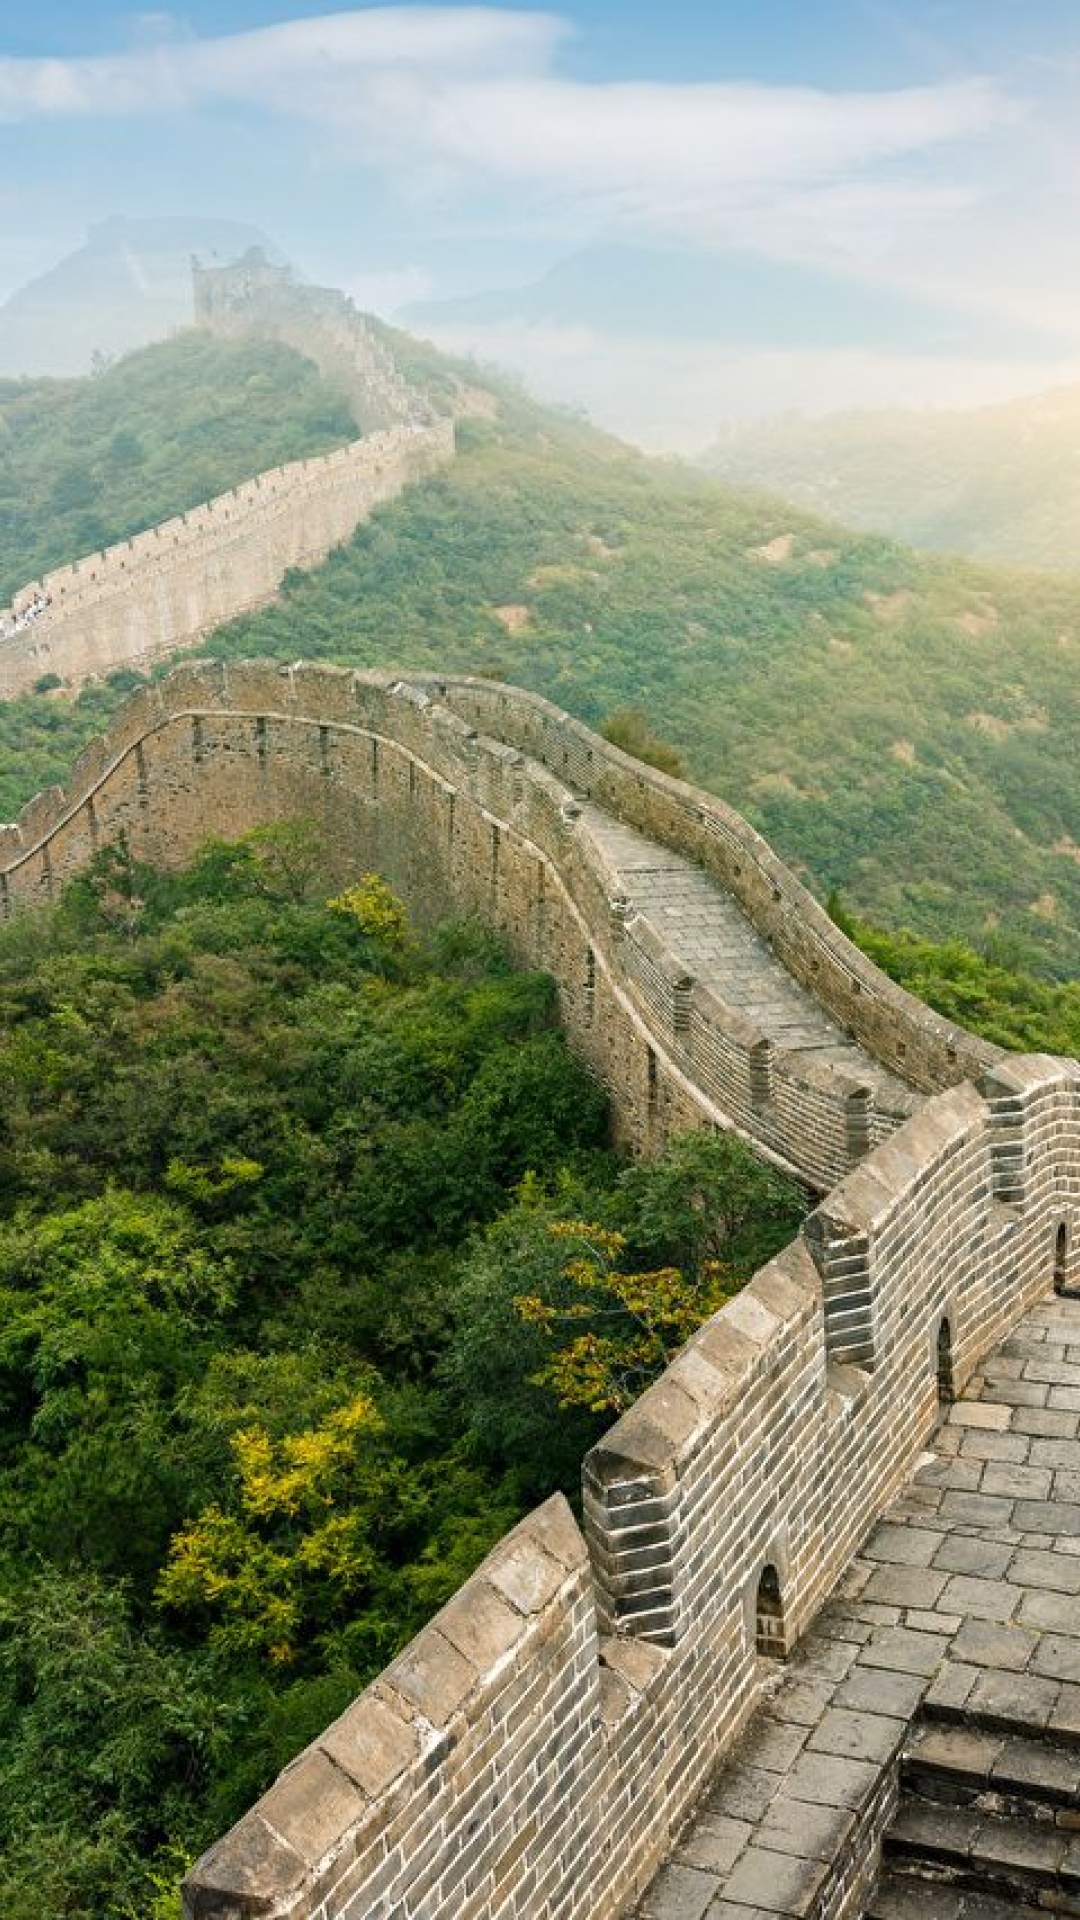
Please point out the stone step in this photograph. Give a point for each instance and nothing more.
(906, 1896)
(710, 935)
(961, 1765)
(1012, 1713)
(967, 1848)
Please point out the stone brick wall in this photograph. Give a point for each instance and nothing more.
(252, 296)
(466, 822)
(536, 1748)
(918, 1044)
(160, 591)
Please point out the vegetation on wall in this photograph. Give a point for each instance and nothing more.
(274, 1178)
(87, 462)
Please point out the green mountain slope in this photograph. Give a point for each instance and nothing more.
(902, 728)
(85, 462)
(998, 483)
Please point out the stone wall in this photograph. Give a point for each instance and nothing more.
(905, 1035)
(253, 296)
(536, 1748)
(461, 821)
(162, 590)
(151, 596)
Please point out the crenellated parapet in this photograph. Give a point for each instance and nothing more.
(146, 598)
(153, 595)
(252, 295)
(537, 1746)
(492, 822)
(919, 1045)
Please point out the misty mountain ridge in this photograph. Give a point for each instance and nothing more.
(734, 298)
(889, 720)
(129, 284)
(998, 483)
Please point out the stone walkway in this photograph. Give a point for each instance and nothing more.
(954, 1648)
(717, 944)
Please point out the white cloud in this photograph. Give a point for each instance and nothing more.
(671, 396)
(301, 67)
(386, 291)
(450, 101)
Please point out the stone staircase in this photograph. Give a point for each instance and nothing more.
(988, 1824)
(718, 945)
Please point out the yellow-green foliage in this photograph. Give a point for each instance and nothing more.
(374, 909)
(644, 1319)
(295, 1544)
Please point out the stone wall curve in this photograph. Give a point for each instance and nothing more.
(459, 818)
(535, 1749)
(906, 1035)
(159, 592)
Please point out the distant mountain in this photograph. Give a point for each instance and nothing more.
(128, 285)
(999, 483)
(733, 298)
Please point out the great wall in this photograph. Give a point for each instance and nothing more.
(160, 591)
(867, 1464)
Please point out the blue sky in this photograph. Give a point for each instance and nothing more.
(926, 148)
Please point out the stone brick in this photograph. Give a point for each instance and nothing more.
(765, 1445)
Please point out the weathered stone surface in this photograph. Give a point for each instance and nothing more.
(372, 1744)
(775, 1882)
(312, 1806)
(249, 1872)
(477, 798)
(679, 1893)
(999, 1675)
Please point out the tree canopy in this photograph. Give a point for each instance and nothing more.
(274, 1173)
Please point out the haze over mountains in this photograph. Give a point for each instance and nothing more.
(660, 343)
(734, 298)
(1000, 483)
(890, 720)
(127, 285)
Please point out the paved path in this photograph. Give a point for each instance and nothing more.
(955, 1643)
(719, 946)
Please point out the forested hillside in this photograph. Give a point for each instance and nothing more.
(86, 462)
(902, 727)
(998, 483)
(272, 1180)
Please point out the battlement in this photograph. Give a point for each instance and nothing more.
(153, 595)
(255, 296)
(537, 1747)
(229, 289)
(704, 1058)
(160, 591)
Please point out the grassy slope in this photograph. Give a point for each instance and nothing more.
(85, 462)
(902, 728)
(998, 483)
